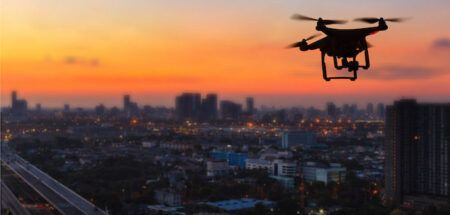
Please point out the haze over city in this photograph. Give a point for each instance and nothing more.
(90, 52)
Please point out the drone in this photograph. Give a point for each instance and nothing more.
(342, 44)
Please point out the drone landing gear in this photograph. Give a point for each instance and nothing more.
(352, 67)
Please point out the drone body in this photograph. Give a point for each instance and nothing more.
(342, 44)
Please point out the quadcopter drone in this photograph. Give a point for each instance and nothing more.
(342, 44)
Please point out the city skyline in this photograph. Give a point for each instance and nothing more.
(126, 101)
(90, 51)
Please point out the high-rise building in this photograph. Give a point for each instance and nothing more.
(417, 153)
(346, 109)
(250, 105)
(381, 111)
(209, 108)
(188, 106)
(332, 110)
(13, 98)
(230, 110)
(369, 109)
(66, 108)
(126, 102)
(18, 106)
(100, 109)
(130, 108)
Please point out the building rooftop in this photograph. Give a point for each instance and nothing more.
(238, 204)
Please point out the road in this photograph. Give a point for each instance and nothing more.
(63, 198)
(9, 200)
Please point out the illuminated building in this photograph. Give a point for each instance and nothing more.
(233, 158)
(314, 172)
(417, 153)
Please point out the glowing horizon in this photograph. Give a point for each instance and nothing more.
(91, 52)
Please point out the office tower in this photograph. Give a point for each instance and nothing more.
(126, 103)
(13, 99)
(209, 108)
(230, 110)
(188, 106)
(331, 110)
(18, 106)
(38, 107)
(130, 108)
(369, 109)
(381, 111)
(66, 107)
(100, 110)
(250, 105)
(313, 112)
(417, 153)
(345, 109)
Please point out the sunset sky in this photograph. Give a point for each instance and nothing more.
(87, 52)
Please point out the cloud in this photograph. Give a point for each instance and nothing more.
(140, 79)
(398, 72)
(70, 60)
(75, 60)
(442, 43)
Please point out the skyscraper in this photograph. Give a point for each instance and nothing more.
(188, 106)
(417, 153)
(18, 106)
(13, 98)
(332, 110)
(209, 108)
(250, 105)
(230, 110)
(369, 109)
(130, 108)
(126, 103)
(381, 111)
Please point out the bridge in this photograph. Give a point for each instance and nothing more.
(61, 197)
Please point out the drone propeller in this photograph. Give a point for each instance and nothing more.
(372, 20)
(294, 45)
(298, 44)
(396, 19)
(325, 21)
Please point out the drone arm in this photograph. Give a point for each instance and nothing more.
(324, 67)
(317, 44)
(367, 59)
(366, 53)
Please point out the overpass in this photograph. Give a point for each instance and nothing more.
(9, 200)
(62, 198)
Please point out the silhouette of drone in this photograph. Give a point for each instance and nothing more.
(343, 44)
